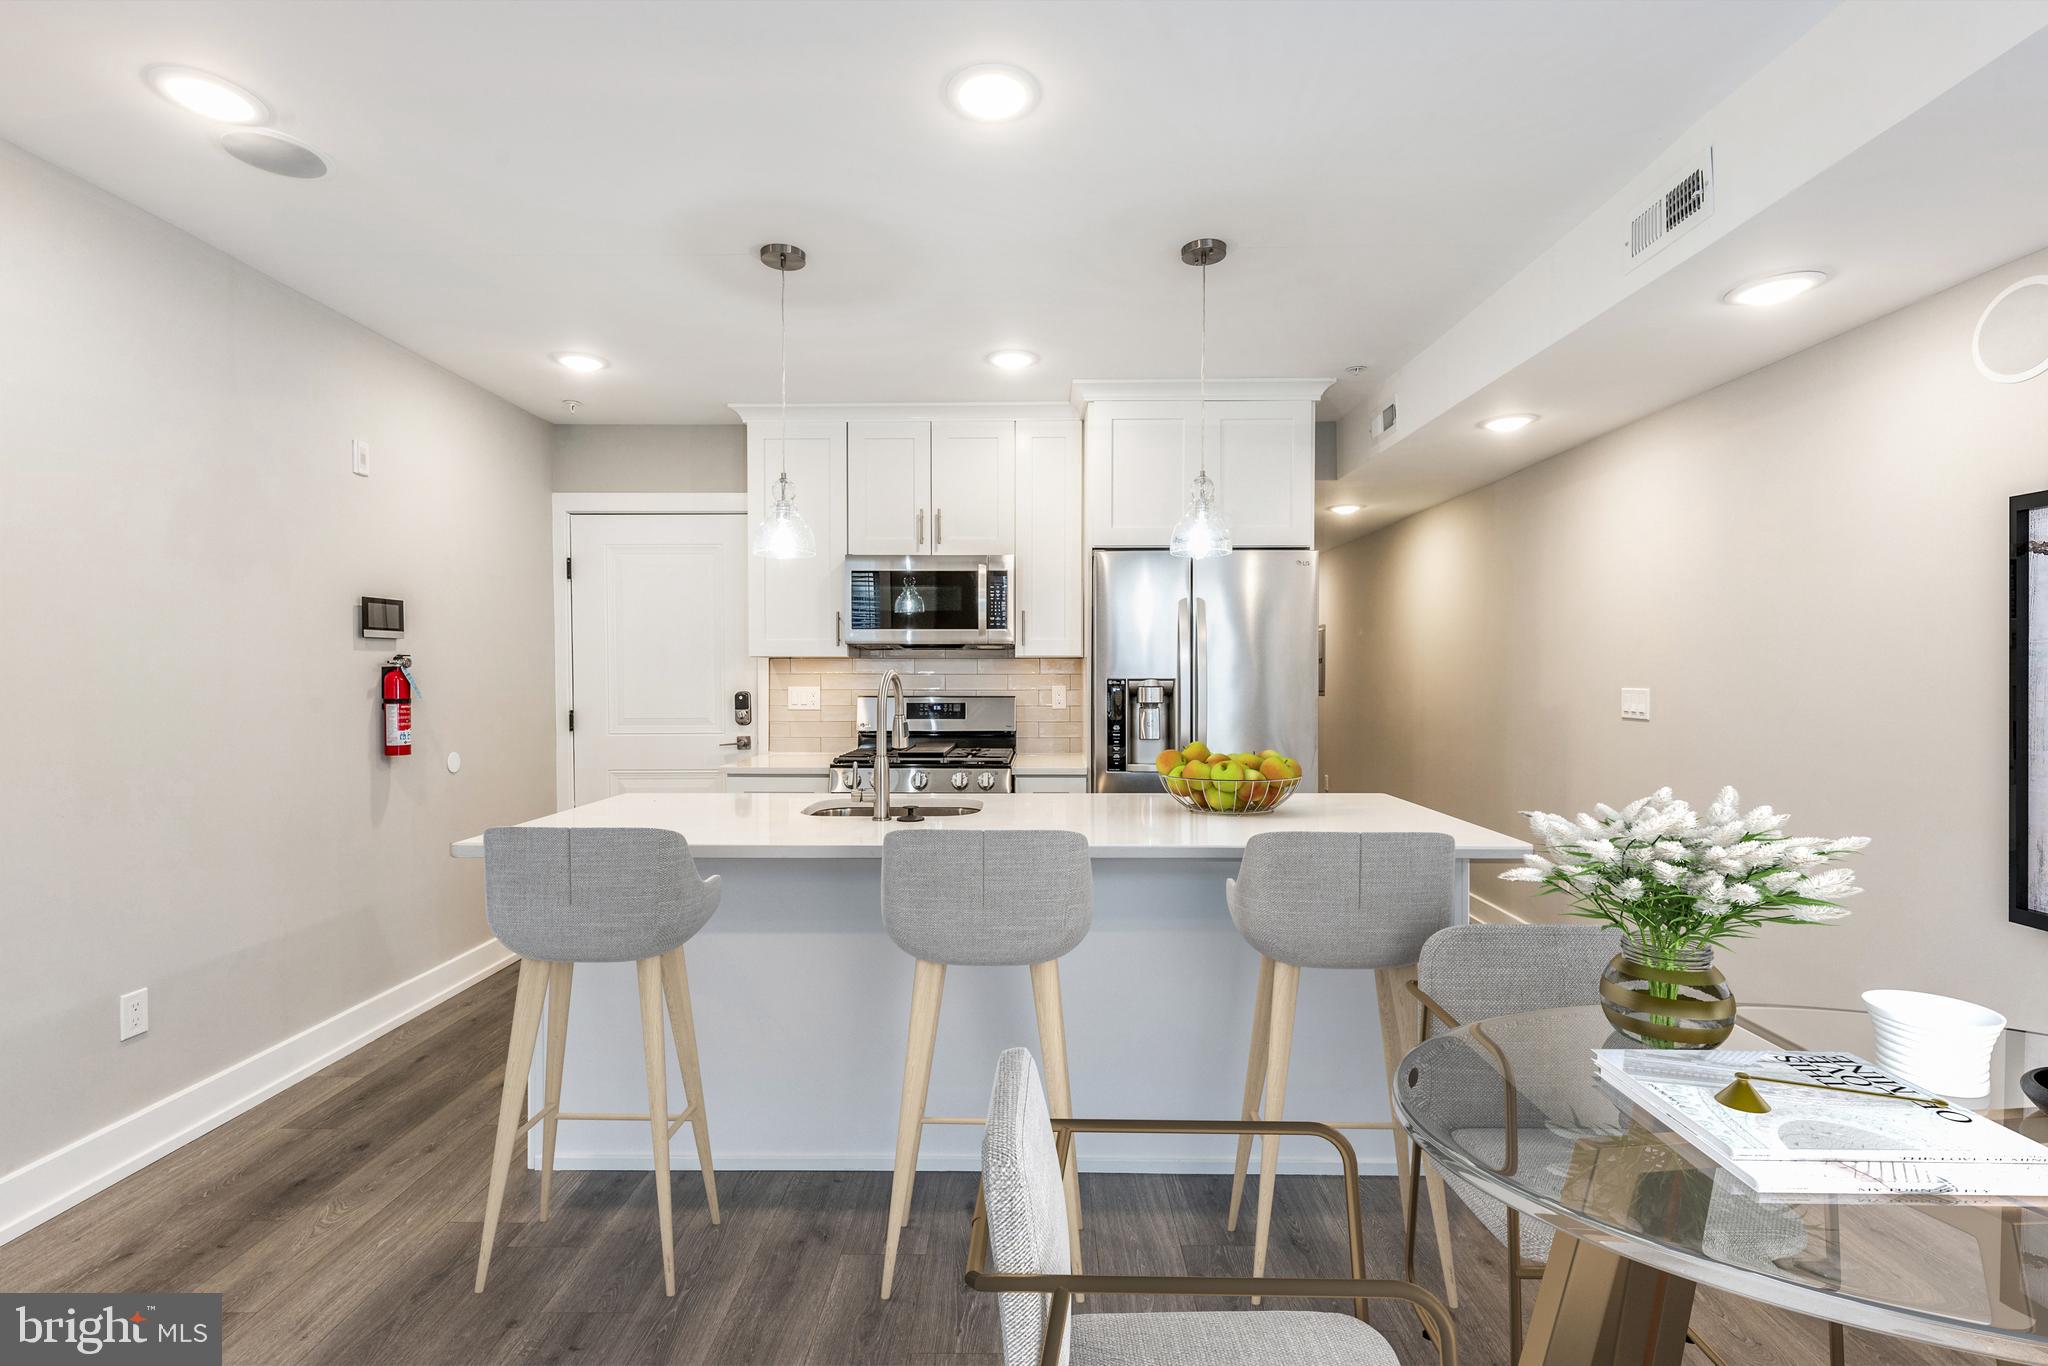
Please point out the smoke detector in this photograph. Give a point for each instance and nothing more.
(573, 404)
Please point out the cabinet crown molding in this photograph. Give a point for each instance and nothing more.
(1086, 391)
(903, 412)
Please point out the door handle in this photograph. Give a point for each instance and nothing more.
(839, 628)
(920, 528)
(1201, 671)
(1184, 667)
(1022, 634)
(938, 527)
(743, 742)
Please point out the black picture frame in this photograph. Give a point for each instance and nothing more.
(2020, 895)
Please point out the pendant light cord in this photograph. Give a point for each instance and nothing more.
(782, 317)
(1202, 395)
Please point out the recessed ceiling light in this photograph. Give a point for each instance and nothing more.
(1344, 509)
(1775, 289)
(581, 362)
(206, 95)
(1508, 422)
(993, 92)
(1013, 360)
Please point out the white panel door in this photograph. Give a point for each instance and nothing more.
(1262, 455)
(658, 647)
(1050, 560)
(973, 483)
(793, 606)
(1138, 471)
(888, 488)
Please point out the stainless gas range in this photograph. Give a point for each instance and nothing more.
(959, 742)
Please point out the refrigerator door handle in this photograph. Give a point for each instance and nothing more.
(1199, 712)
(1184, 682)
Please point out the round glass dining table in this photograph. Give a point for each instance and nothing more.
(1511, 1109)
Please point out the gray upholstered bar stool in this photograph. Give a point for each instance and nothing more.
(1008, 898)
(1326, 899)
(561, 897)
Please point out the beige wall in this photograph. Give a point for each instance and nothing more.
(1808, 568)
(1041, 727)
(594, 459)
(193, 798)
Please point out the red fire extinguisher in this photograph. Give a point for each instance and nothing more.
(398, 693)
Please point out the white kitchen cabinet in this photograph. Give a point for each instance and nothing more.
(973, 487)
(1143, 455)
(1046, 590)
(888, 488)
(793, 606)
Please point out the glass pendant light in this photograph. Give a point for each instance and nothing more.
(909, 602)
(783, 534)
(1203, 532)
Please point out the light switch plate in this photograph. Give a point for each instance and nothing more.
(135, 1013)
(1635, 704)
(803, 699)
(359, 458)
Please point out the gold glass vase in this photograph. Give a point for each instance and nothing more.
(1669, 997)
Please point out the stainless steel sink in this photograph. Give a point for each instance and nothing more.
(899, 809)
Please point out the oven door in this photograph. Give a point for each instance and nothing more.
(928, 600)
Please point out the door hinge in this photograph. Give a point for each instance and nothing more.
(572, 720)
(569, 567)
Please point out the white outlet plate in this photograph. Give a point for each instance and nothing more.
(359, 458)
(1635, 704)
(803, 699)
(1059, 698)
(135, 1013)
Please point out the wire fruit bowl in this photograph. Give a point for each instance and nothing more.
(1230, 796)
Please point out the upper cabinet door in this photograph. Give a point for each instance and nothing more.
(1046, 590)
(793, 606)
(1138, 471)
(1262, 456)
(888, 488)
(973, 485)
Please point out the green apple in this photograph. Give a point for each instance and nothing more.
(1224, 781)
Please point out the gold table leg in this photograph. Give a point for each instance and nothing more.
(1598, 1309)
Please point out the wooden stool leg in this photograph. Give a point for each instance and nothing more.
(558, 1040)
(1397, 1036)
(925, 990)
(656, 1053)
(1254, 1084)
(682, 1022)
(526, 1005)
(1052, 1046)
(1279, 1042)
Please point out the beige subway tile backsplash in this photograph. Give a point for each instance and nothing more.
(1041, 727)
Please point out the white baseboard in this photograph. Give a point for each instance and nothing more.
(55, 1182)
(625, 1160)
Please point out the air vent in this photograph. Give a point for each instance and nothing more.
(1388, 416)
(1681, 207)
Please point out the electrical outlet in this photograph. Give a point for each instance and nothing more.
(1054, 697)
(359, 458)
(1635, 704)
(803, 699)
(135, 1013)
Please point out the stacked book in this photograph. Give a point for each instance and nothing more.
(1827, 1142)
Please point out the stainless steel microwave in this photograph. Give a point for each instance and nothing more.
(943, 601)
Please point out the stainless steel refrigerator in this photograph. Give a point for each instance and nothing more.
(1220, 650)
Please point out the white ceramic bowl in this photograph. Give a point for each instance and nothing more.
(1936, 1042)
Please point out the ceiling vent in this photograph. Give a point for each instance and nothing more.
(1678, 210)
(1384, 423)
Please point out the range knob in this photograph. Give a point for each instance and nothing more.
(917, 779)
(985, 781)
(959, 782)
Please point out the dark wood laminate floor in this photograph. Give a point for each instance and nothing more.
(340, 1221)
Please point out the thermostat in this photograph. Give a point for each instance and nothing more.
(382, 618)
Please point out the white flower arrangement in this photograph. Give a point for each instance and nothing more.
(1672, 878)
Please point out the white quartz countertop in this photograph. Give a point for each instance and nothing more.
(819, 762)
(749, 825)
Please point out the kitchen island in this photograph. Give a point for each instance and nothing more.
(802, 1001)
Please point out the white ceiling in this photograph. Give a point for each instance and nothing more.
(511, 179)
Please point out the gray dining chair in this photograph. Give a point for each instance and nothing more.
(1018, 1249)
(1327, 899)
(1007, 898)
(1472, 973)
(559, 897)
